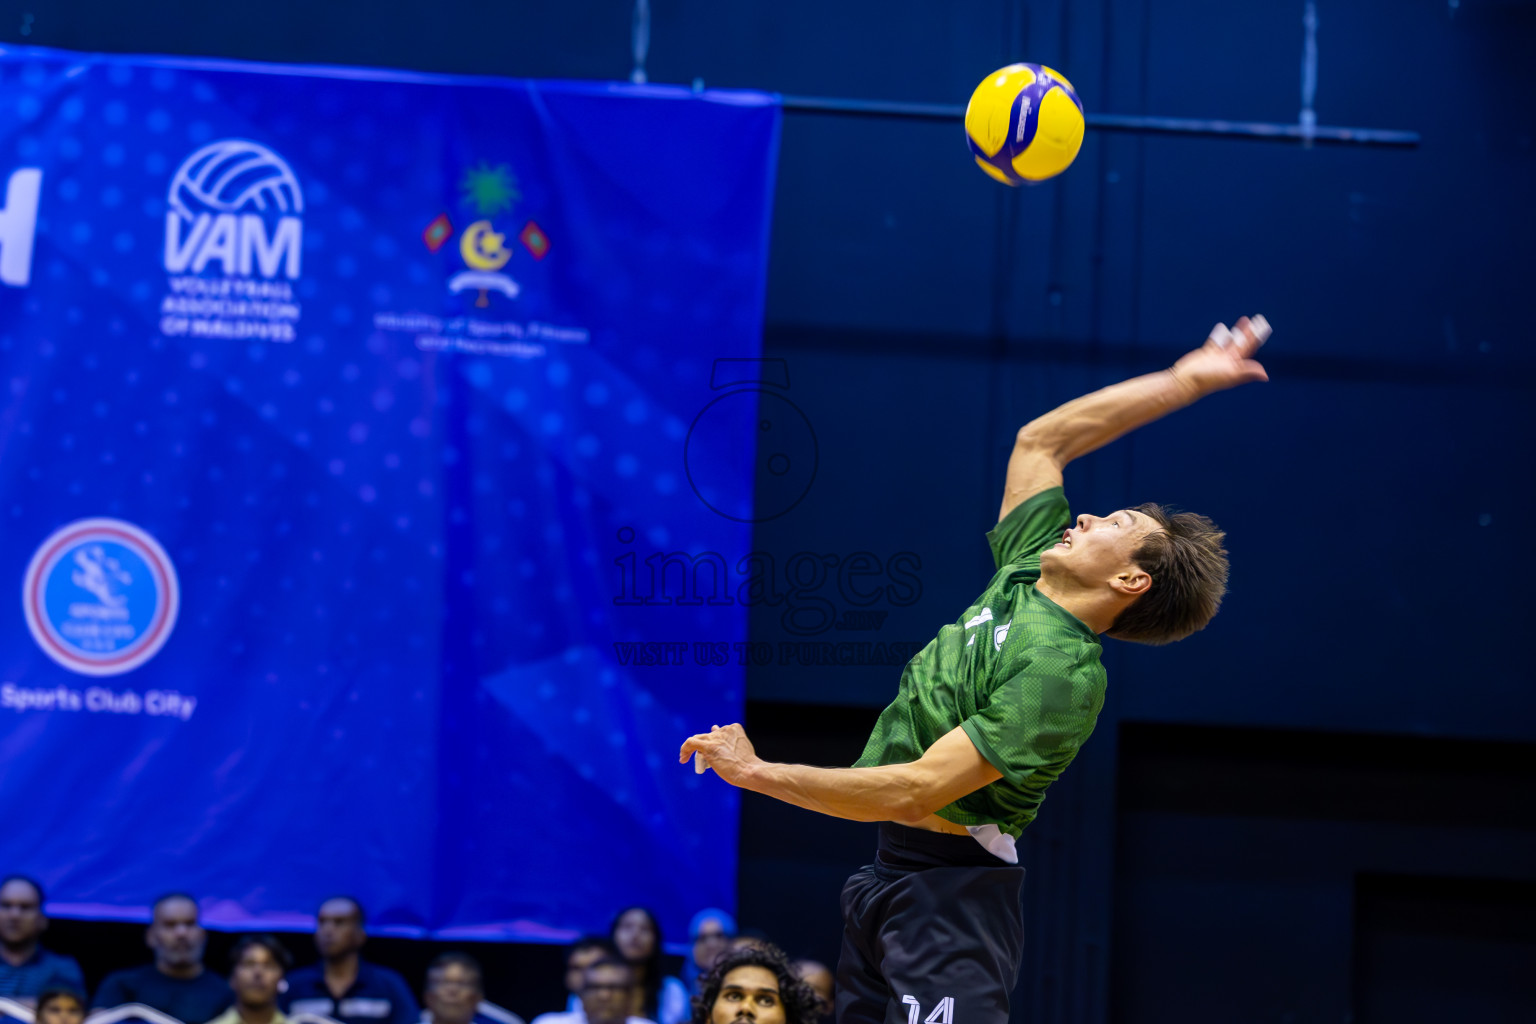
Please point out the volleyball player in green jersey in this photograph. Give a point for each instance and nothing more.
(998, 704)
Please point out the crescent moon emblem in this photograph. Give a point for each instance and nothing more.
(482, 248)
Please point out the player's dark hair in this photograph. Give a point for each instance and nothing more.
(1188, 567)
(452, 958)
(34, 883)
(800, 1003)
(267, 942)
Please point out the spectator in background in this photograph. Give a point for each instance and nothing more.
(711, 932)
(607, 991)
(819, 979)
(585, 952)
(658, 997)
(342, 985)
(60, 1006)
(26, 968)
(754, 985)
(257, 965)
(456, 994)
(176, 982)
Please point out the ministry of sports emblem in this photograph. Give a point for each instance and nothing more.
(489, 192)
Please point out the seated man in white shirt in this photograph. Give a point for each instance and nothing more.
(456, 994)
(607, 990)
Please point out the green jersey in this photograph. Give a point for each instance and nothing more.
(1019, 673)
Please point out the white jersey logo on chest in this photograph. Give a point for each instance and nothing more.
(999, 633)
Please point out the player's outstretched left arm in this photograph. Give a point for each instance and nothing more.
(906, 793)
(1044, 446)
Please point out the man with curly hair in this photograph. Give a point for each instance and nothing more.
(754, 985)
(992, 711)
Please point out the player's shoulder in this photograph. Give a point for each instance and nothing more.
(1072, 673)
(1064, 657)
(1049, 501)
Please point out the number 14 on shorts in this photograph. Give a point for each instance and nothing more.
(944, 1013)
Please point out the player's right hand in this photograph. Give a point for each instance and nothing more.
(1226, 359)
(727, 751)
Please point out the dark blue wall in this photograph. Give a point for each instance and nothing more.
(1377, 492)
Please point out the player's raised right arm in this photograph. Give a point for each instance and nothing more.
(1046, 444)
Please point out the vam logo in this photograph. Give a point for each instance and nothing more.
(235, 203)
(18, 225)
(233, 240)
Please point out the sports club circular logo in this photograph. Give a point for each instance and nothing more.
(100, 597)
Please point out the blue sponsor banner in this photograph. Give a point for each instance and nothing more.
(346, 427)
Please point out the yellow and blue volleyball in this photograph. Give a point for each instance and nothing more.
(1024, 124)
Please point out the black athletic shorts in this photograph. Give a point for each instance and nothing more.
(933, 933)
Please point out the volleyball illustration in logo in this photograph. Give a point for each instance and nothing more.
(232, 176)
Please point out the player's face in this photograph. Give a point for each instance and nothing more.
(1098, 548)
(748, 995)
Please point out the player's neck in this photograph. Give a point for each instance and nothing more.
(1096, 609)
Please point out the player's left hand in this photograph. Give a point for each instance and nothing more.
(1226, 359)
(727, 751)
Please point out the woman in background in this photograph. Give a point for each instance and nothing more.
(711, 932)
(658, 997)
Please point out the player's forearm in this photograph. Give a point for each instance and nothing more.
(1088, 423)
(886, 793)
